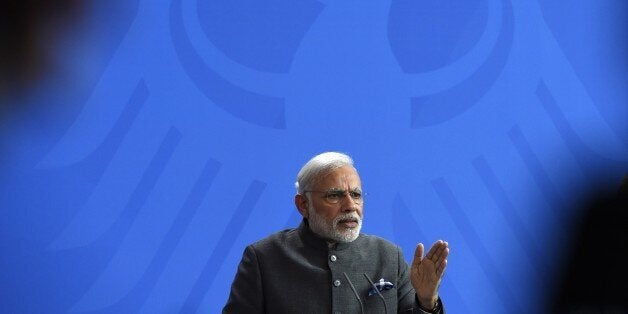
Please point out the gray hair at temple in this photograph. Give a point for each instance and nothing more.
(318, 166)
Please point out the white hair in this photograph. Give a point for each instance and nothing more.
(318, 166)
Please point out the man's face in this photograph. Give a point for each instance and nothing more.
(341, 221)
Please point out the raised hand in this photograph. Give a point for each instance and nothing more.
(426, 272)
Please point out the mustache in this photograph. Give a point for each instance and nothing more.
(347, 217)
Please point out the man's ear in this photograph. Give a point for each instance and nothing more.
(301, 202)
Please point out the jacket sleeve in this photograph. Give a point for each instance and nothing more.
(407, 300)
(246, 294)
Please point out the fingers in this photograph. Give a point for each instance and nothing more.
(418, 255)
(433, 249)
(438, 255)
(437, 249)
(440, 259)
(440, 269)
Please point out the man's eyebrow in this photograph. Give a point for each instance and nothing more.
(335, 190)
(355, 189)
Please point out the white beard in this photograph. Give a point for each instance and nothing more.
(331, 230)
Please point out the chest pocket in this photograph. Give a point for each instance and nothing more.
(375, 304)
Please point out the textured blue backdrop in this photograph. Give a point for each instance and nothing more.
(171, 134)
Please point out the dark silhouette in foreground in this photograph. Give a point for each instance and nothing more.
(595, 276)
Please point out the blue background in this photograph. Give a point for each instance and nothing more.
(170, 135)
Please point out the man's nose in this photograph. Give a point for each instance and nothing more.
(348, 203)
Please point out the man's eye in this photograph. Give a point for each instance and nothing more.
(334, 195)
(356, 195)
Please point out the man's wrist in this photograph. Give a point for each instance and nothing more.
(430, 306)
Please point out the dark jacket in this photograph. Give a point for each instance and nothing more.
(295, 271)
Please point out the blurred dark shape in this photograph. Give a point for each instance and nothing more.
(28, 29)
(594, 276)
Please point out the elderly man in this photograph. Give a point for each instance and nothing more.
(326, 265)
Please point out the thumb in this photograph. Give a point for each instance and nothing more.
(418, 255)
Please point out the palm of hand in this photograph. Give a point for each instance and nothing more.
(426, 272)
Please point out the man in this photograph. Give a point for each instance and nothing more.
(326, 265)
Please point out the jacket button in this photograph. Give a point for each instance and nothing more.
(336, 283)
(333, 258)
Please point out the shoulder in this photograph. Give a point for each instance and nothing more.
(275, 240)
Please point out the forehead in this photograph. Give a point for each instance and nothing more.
(343, 177)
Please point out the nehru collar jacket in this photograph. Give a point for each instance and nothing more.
(296, 271)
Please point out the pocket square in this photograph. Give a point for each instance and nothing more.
(382, 285)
